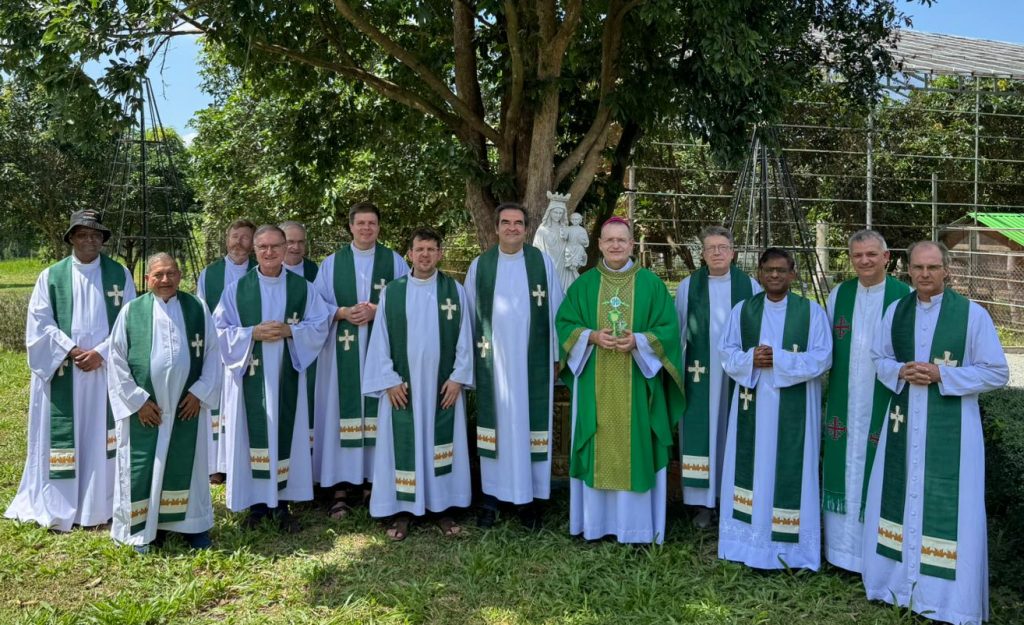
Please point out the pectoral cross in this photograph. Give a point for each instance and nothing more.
(945, 360)
(897, 419)
(449, 307)
(696, 370)
(294, 319)
(63, 365)
(198, 344)
(347, 339)
(380, 285)
(540, 294)
(253, 363)
(484, 345)
(116, 294)
(747, 397)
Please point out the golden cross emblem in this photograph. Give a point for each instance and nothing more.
(449, 307)
(747, 397)
(197, 344)
(539, 293)
(116, 294)
(945, 360)
(696, 370)
(346, 338)
(897, 419)
(253, 363)
(484, 345)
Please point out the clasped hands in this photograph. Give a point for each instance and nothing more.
(360, 314)
(269, 331)
(920, 373)
(606, 340)
(763, 357)
(150, 414)
(398, 394)
(86, 360)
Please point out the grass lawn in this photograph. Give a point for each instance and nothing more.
(348, 572)
(20, 273)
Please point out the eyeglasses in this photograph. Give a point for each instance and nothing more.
(267, 248)
(775, 271)
(716, 249)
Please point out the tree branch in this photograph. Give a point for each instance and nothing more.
(588, 170)
(391, 47)
(515, 51)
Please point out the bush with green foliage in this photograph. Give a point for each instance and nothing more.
(1004, 479)
(13, 308)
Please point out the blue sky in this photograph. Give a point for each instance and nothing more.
(177, 83)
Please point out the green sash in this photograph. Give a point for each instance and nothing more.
(697, 417)
(213, 288)
(358, 415)
(792, 411)
(942, 442)
(403, 423)
(309, 272)
(834, 430)
(181, 448)
(62, 392)
(538, 355)
(250, 314)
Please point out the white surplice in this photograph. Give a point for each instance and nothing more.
(984, 368)
(751, 543)
(720, 304)
(236, 344)
(512, 476)
(169, 366)
(217, 449)
(630, 517)
(844, 532)
(435, 493)
(332, 463)
(87, 499)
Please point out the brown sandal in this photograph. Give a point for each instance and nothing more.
(398, 529)
(449, 528)
(339, 510)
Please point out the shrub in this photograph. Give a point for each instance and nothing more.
(13, 308)
(1004, 479)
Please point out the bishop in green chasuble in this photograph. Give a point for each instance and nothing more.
(621, 359)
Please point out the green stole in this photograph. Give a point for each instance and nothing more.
(358, 415)
(250, 314)
(181, 449)
(403, 421)
(213, 288)
(62, 392)
(834, 438)
(792, 411)
(538, 354)
(309, 272)
(942, 442)
(622, 434)
(697, 417)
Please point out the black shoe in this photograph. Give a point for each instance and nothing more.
(531, 517)
(285, 521)
(257, 512)
(199, 540)
(486, 517)
(161, 536)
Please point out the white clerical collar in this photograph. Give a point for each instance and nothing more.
(936, 300)
(94, 263)
(629, 263)
(722, 278)
(874, 288)
(295, 268)
(369, 252)
(511, 256)
(428, 280)
(229, 261)
(272, 279)
(170, 302)
(778, 304)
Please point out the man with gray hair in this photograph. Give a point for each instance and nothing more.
(925, 533)
(703, 302)
(856, 400)
(164, 367)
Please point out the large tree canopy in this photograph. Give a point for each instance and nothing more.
(540, 94)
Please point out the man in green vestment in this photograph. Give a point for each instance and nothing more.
(620, 354)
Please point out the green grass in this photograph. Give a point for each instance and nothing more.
(348, 572)
(20, 273)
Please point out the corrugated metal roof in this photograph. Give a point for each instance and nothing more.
(1011, 225)
(948, 54)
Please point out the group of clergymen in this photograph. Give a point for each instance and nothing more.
(283, 374)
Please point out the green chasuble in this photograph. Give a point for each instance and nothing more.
(63, 459)
(623, 429)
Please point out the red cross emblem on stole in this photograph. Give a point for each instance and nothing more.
(835, 428)
(843, 327)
